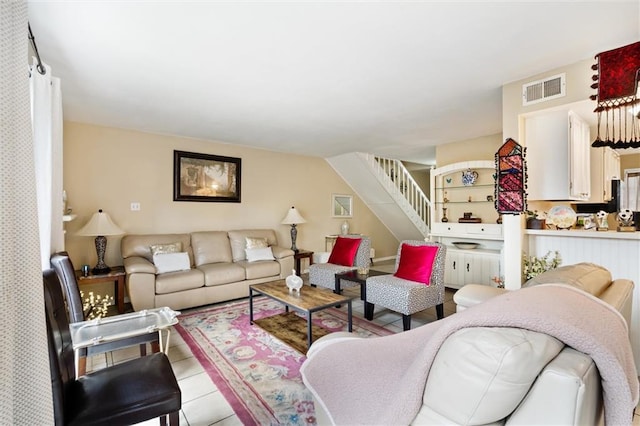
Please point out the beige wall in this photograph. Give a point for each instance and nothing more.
(631, 161)
(421, 173)
(578, 88)
(109, 168)
(482, 148)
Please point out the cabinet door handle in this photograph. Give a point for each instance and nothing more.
(467, 267)
(454, 264)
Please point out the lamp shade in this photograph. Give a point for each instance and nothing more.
(293, 217)
(100, 224)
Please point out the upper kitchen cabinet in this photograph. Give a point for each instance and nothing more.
(558, 144)
(605, 167)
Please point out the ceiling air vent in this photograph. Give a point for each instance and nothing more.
(543, 90)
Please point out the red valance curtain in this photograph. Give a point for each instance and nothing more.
(617, 97)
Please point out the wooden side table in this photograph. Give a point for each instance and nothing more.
(361, 279)
(302, 254)
(117, 276)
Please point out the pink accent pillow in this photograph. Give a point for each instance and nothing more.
(416, 263)
(344, 251)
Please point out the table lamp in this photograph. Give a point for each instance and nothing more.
(293, 218)
(99, 226)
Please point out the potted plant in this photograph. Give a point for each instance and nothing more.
(533, 266)
(535, 219)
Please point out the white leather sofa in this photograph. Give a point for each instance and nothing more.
(219, 269)
(592, 278)
(494, 375)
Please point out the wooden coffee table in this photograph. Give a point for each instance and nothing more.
(308, 301)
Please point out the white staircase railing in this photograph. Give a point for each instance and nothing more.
(403, 188)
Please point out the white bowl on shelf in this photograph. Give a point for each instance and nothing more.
(465, 245)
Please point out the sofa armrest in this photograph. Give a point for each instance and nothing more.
(474, 294)
(135, 264)
(284, 257)
(141, 282)
(567, 391)
(330, 339)
(281, 252)
(619, 294)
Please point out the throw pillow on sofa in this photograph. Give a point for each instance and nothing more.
(171, 262)
(254, 243)
(262, 253)
(166, 248)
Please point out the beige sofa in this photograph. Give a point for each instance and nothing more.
(219, 268)
(503, 369)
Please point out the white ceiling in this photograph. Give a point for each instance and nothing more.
(316, 78)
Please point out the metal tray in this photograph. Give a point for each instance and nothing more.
(94, 332)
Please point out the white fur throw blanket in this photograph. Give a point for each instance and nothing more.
(382, 380)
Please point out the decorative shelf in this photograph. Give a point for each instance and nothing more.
(69, 217)
(483, 185)
(462, 202)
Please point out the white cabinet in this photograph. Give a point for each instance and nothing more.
(605, 166)
(449, 192)
(470, 267)
(558, 144)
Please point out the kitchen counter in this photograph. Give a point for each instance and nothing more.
(617, 251)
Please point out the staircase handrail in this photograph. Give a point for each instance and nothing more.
(399, 182)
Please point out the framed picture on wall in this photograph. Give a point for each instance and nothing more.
(205, 177)
(341, 205)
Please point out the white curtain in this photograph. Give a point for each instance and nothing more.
(25, 391)
(632, 181)
(46, 119)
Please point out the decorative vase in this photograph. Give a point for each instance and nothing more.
(344, 229)
(294, 282)
(469, 177)
(444, 215)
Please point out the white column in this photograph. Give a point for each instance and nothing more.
(512, 252)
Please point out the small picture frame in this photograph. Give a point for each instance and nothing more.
(205, 177)
(341, 205)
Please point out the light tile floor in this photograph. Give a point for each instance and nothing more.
(203, 404)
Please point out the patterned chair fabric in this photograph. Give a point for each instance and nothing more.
(408, 297)
(323, 274)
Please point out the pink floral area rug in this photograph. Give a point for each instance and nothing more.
(257, 373)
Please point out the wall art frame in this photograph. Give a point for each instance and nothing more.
(206, 177)
(341, 205)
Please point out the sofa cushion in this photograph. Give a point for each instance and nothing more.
(481, 374)
(238, 240)
(210, 247)
(592, 278)
(260, 269)
(221, 273)
(416, 263)
(171, 262)
(344, 251)
(140, 245)
(256, 254)
(172, 282)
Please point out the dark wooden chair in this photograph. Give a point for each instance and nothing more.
(61, 263)
(123, 394)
